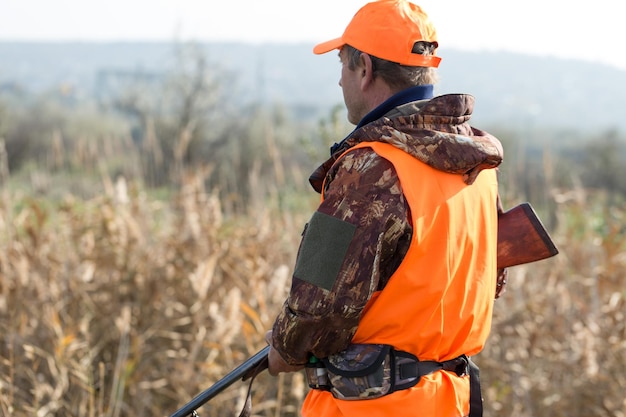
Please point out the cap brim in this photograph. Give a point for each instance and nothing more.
(328, 46)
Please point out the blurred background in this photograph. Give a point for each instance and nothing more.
(154, 163)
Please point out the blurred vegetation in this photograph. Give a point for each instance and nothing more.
(146, 244)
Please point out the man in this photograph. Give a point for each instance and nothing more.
(395, 278)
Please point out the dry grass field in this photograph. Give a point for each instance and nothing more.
(126, 305)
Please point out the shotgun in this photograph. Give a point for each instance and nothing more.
(522, 238)
(249, 369)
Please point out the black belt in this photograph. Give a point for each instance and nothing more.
(409, 369)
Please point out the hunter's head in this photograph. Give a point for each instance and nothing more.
(388, 46)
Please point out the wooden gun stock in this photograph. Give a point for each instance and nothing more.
(522, 238)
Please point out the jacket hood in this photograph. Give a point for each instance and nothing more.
(436, 132)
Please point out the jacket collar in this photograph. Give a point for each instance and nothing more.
(418, 92)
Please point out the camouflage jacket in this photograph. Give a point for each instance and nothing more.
(363, 189)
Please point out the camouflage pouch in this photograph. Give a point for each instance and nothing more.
(317, 374)
(360, 372)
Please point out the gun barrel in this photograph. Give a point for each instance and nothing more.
(245, 370)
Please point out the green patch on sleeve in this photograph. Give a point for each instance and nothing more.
(323, 250)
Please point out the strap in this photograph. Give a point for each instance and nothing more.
(476, 398)
(458, 365)
(409, 373)
(247, 405)
(409, 370)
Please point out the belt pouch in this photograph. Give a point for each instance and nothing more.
(362, 371)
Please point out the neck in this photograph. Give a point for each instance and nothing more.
(378, 95)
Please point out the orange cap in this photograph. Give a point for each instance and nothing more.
(387, 29)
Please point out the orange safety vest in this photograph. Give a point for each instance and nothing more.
(438, 304)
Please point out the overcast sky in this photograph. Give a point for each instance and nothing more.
(592, 31)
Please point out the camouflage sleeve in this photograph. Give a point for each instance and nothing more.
(350, 247)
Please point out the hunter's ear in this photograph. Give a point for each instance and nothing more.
(366, 67)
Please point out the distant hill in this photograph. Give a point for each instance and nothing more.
(511, 89)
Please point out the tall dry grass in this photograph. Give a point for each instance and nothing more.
(121, 305)
(558, 343)
(126, 305)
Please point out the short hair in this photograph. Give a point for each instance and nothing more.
(398, 76)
